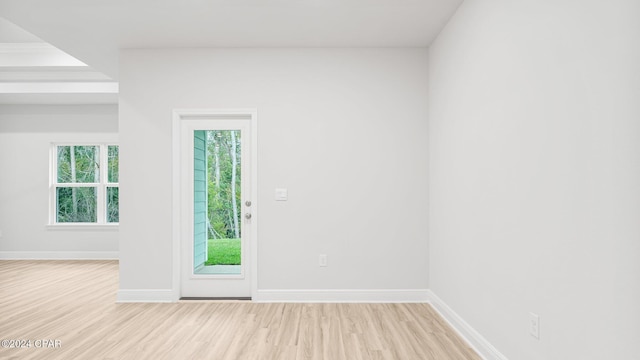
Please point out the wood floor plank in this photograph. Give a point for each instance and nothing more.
(74, 302)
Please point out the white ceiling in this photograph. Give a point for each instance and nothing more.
(93, 31)
(11, 33)
(34, 72)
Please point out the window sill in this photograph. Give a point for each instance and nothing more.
(83, 227)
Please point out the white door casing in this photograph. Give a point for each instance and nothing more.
(186, 282)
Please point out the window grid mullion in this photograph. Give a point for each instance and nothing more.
(76, 184)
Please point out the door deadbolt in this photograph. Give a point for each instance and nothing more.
(247, 203)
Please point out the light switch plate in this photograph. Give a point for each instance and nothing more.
(282, 195)
(322, 260)
(534, 325)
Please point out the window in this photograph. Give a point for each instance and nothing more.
(84, 187)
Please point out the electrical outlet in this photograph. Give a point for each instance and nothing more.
(534, 325)
(322, 260)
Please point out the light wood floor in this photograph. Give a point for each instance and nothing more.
(74, 302)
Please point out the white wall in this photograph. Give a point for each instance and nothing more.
(535, 172)
(343, 130)
(26, 134)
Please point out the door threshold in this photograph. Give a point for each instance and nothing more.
(216, 298)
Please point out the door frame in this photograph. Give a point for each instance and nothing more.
(203, 114)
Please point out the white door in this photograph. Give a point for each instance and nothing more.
(216, 207)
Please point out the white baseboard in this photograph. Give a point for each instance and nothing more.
(58, 255)
(473, 338)
(145, 296)
(346, 295)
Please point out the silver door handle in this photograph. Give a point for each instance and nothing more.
(247, 216)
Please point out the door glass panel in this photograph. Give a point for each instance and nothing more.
(217, 196)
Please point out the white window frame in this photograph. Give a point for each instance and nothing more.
(101, 189)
